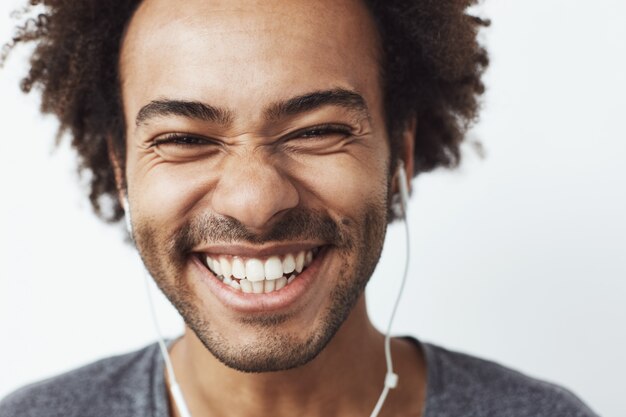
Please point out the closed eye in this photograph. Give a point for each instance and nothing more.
(184, 147)
(181, 139)
(320, 132)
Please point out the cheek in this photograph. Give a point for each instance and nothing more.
(344, 183)
(165, 194)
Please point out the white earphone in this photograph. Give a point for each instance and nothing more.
(400, 200)
(391, 378)
(404, 187)
(127, 222)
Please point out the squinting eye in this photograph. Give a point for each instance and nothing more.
(319, 140)
(321, 131)
(183, 147)
(180, 140)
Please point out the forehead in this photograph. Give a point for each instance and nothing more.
(245, 53)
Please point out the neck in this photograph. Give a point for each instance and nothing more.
(344, 379)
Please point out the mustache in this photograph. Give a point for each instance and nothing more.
(296, 224)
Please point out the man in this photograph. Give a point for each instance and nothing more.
(254, 149)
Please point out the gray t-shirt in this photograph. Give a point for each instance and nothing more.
(132, 385)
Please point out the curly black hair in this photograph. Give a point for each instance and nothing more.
(432, 66)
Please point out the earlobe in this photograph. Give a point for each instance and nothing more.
(401, 183)
(406, 156)
(408, 148)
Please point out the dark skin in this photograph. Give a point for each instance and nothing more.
(243, 63)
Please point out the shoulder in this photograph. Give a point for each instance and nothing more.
(104, 388)
(464, 385)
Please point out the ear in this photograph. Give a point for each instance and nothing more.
(118, 171)
(406, 152)
(408, 148)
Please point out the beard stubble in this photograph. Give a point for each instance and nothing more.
(360, 240)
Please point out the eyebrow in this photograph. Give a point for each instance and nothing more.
(348, 99)
(296, 105)
(188, 109)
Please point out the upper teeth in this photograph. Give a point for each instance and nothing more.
(254, 270)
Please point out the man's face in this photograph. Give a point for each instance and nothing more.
(255, 142)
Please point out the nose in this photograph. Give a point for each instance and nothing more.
(253, 191)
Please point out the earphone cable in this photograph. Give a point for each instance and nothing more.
(391, 378)
(175, 390)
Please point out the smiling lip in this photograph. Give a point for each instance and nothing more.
(258, 303)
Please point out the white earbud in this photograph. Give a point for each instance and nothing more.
(400, 200)
(126, 207)
(404, 187)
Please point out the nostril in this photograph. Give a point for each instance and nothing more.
(253, 196)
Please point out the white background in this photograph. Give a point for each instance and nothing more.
(520, 257)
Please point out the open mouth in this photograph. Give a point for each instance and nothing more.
(259, 275)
